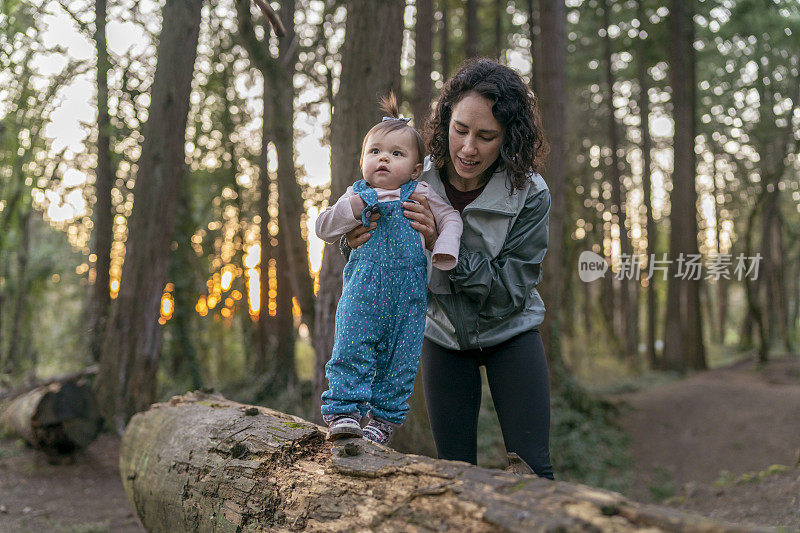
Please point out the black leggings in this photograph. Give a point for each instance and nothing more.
(520, 386)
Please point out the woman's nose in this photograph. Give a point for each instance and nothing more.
(469, 146)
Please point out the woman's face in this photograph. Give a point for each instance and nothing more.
(475, 138)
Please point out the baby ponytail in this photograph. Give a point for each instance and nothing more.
(388, 105)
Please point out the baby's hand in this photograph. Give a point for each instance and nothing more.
(357, 204)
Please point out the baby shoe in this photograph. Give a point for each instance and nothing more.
(379, 431)
(344, 426)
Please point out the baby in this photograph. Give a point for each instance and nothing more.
(380, 319)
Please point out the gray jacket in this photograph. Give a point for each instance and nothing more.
(491, 295)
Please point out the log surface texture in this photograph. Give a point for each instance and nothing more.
(204, 463)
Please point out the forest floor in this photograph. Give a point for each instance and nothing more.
(723, 443)
(707, 444)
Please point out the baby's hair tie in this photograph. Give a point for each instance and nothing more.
(406, 120)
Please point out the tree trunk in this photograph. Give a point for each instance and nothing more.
(794, 294)
(264, 325)
(291, 255)
(415, 433)
(471, 30)
(499, 36)
(627, 325)
(444, 40)
(683, 348)
(99, 304)
(203, 463)
(533, 20)
(587, 311)
(185, 361)
(423, 62)
(715, 315)
(415, 436)
(19, 340)
(773, 150)
(370, 69)
(754, 292)
(58, 418)
(552, 99)
(290, 197)
(130, 357)
(644, 110)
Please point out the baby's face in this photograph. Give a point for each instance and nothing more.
(390, 159)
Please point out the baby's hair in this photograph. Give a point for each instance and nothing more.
(393, 122)
(389, 105)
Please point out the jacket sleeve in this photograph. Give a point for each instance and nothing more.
(337, 219)
(501, 285)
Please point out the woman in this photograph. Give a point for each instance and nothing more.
(486, 147)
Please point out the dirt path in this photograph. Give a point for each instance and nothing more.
(693, 440)
(85, 496)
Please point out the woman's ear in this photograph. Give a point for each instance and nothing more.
(417, 170)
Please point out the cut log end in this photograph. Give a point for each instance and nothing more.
(59, 418)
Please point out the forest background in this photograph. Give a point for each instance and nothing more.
(161, 165)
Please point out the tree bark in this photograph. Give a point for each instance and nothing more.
(644, 114)
(103, 211)
(715, 304)
(533, 19)
(415, 433)
(291, 254)
(499, 36)
(627, 325)
(19, 340)
(423, 62)
(58, 418)
(290, 198)
(444, 40)
(471, 30)
(203, 463)
(264, 324)
(131, 351)
(182, 270)
(773, 150)
(683, 348)
(552, 99)
(370, 69)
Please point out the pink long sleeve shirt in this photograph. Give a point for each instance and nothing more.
(339, 218)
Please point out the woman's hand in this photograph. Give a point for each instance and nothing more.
(358, 236)
(421, 218)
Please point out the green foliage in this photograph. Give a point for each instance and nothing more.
(726, 478)
(663, 487)
(586, 444)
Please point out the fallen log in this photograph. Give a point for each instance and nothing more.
(204, 463)
(58, 418)
(87, 372)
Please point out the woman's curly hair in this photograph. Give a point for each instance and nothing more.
(524, 147)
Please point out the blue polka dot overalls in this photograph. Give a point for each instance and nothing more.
(380, 319)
